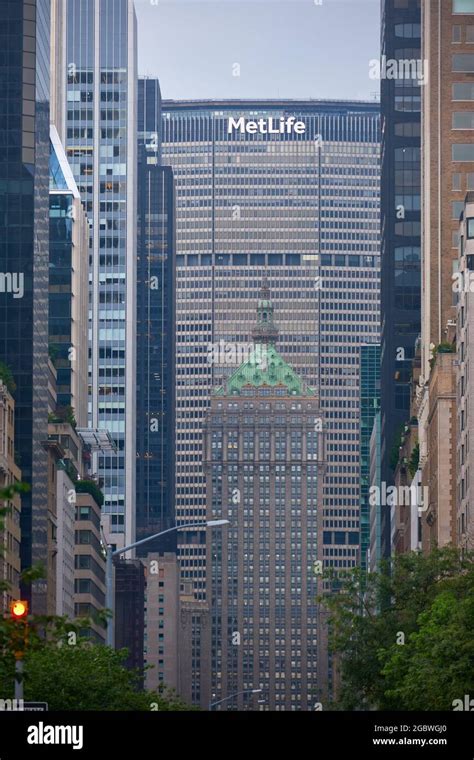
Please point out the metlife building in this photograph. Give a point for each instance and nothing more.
(290, 190)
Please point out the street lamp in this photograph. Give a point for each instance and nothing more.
(236, 694)
(109, 568)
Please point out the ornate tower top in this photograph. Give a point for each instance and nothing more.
(265, 331)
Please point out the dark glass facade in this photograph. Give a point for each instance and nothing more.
(24, 244)
(401, 226)
(369, 389)
(155, 329)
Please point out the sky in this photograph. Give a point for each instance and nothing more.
(279, 48)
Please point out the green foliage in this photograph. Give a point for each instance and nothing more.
(7, 378)
(63, 414)
(86, 676)
(427, 602)
(90, 486)
(442, 348)
(395, 450)
(68, 672)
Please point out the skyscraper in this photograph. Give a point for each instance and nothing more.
(68, 284)
(401, 228)
(155, 444)
(301, 206)
(24, 244)
(448, 173)
(264, 459)
(101, 149)
(464, 515)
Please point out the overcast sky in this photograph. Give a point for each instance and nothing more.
(285, 48)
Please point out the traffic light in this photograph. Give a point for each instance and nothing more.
(19, 609)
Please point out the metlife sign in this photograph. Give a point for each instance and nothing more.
(270, 126)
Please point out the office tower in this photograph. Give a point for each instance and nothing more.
(464, 515)
(162, 621)
(89, 577)
(303, 208)
(101, 150)
(448, 173)
(24, 242)
(10, 473)
(194, 650)
(155, 447)
(149, 116)
(263, 461)
(400, 224)
(369, 405)
(130, 611)
(68, 286)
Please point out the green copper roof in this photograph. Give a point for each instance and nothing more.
(265, 367)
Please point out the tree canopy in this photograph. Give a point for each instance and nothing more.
(403, 638)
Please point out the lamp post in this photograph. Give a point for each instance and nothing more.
(236, 694)
(109, 568)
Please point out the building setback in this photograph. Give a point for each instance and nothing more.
(24, 244)
(401, 229)
(100, 124)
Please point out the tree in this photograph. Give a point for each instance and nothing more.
(90, 487)
(404, 637)
(7, 378)
(65, 670)
(89, 676)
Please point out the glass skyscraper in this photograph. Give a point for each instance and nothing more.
(401, 227)
(24, 251)
(101, 149)
(155, 328)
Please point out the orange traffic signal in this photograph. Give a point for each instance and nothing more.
(19, 609)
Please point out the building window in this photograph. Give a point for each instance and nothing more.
(456, 34)
(463, 6)
(463, 120)
(463, 91)
(463, 62)
(470, 228)
(463, 152)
